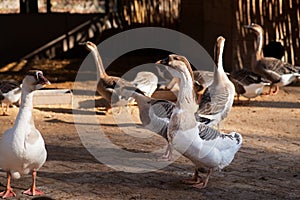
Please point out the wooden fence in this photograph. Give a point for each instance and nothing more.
(280, 20)
(152, 12)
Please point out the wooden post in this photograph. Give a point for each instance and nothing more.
(22, 6)
(33, 6)
(49, 6)
(29, 6)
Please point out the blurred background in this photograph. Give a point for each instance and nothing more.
(47, 33)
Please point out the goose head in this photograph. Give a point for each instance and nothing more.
(90, 46)
(34, 80)
(258, 54)
(255, 27)
(99, 63)
(218, 51)
(178, 63)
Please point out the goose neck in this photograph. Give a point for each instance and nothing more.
(185, 96)
(24, 116)
(259, 46)
(98, 60)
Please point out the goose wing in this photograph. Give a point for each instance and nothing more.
(8, 85)
(246, 77)
(278, 65)
(146, 82)
(162, 108)
(212, 103)
(272, 69)
(203, 77)
(229, 140)
(110, 85)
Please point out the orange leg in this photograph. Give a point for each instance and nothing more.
(203, 184)
(275, 91)
(195, 180)
(272, 92)
(167, 155)
(32, 191)
(9, 191)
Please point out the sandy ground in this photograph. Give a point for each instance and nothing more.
(266, 167)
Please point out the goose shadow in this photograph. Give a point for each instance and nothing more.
(92, 103)
(70, 111)
(233, 181)
(81, 154)
(271, 104)
(93, 124)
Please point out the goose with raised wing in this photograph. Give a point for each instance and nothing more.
(22, 147)
(10, 93)
(217, 99)
(276, 71)
(154, 113)
(204, 146)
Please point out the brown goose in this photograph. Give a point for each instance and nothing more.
(107, 84)
(279, 73)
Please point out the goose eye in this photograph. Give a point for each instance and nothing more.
(38, 75)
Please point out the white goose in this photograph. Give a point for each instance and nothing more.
(22, 147)
(279, 73)
(204, 146)
(217, 99)
(11, 93)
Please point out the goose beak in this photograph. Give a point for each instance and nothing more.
(250, 26)
(82, 43)
(158, 62)
(163, 61)
(42, 80)
(247, 26)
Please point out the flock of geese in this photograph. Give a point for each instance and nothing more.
(188, 125)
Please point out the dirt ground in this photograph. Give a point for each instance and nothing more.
(266, 167)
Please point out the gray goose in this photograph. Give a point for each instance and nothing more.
(247, 83)
(107, 85)
(10, 93)
(217, 99)
(204, 146)
(279, 73)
